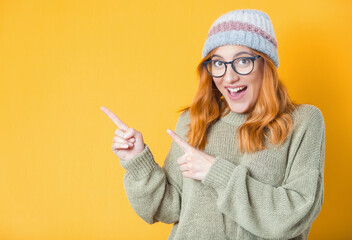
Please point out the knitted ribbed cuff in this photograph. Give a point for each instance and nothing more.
(140, 165)
(219, 173)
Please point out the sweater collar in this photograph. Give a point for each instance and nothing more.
(234, 118)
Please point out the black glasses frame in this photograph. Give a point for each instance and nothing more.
(205, 63)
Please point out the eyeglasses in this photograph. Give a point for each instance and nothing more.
(241, 65)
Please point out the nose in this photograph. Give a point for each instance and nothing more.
(230, 75)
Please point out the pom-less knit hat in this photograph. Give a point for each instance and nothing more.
(247, 27)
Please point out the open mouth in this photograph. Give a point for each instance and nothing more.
(236, 91)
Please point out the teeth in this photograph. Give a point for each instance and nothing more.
(235, 89)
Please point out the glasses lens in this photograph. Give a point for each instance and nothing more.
(216, 68)
(243, 65)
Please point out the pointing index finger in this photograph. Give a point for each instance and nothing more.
(182, 143)
(114, 118)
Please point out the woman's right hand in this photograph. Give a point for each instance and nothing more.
(127, 142)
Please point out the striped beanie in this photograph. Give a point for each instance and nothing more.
(247, 27)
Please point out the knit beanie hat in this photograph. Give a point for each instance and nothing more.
(247, 27)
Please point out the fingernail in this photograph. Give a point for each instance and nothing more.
(131, 144)
(125, 145)
(168, 131)
(132, 140)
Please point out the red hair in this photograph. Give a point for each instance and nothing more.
(269, 119)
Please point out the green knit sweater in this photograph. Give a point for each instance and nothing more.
(274, 193)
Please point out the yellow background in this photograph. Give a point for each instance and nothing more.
(61, 60)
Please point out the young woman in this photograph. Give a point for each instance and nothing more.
(246, 162)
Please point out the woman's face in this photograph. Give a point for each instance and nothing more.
(245, 99)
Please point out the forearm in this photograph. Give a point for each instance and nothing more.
(150, 192)
(262, 209)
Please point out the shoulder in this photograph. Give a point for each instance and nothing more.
(308, 135)
(308, 115)
(183, 123)
(184, 119)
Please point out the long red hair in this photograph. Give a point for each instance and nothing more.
(270, 119)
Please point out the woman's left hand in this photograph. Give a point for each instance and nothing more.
(194, 163)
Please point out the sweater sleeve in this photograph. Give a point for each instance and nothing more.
(270, 211)
(154, 192)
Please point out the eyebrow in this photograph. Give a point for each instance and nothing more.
(237, 54)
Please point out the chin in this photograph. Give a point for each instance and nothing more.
(242, 105)
(239, 109)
